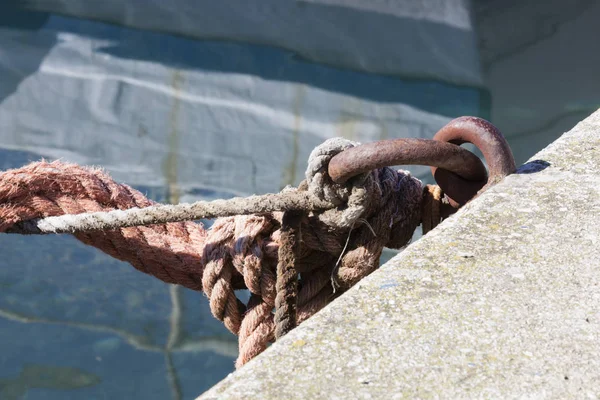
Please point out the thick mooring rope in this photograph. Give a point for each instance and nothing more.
(287, 260)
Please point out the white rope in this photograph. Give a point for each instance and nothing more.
(163, 213)
(322, 194)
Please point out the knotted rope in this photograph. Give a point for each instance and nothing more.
(327, 238)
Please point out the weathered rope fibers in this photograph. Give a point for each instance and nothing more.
(165, 213)
(286, 260)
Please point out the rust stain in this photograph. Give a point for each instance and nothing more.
(346, 126)
(384, 134)
(171, 160)
(290, 171)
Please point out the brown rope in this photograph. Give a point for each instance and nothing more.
(287, 276)
(431, 207)
(240, 252)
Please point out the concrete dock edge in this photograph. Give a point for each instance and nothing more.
(502, 300)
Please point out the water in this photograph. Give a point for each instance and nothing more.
(184, 109)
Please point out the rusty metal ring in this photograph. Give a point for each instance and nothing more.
(370, 156)
(492, 144)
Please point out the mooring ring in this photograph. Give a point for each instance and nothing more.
(408, 151)
(492, 144)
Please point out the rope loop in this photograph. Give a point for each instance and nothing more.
(351, 199)
(294, 251)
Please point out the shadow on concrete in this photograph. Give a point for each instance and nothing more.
(533, 166)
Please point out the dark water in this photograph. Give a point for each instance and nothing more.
(185, 115)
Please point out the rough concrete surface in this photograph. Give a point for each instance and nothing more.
(502, 300)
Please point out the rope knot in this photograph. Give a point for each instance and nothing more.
(351, 199)
(282, 248)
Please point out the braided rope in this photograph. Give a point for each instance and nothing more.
(287, 276)
(344, 229)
